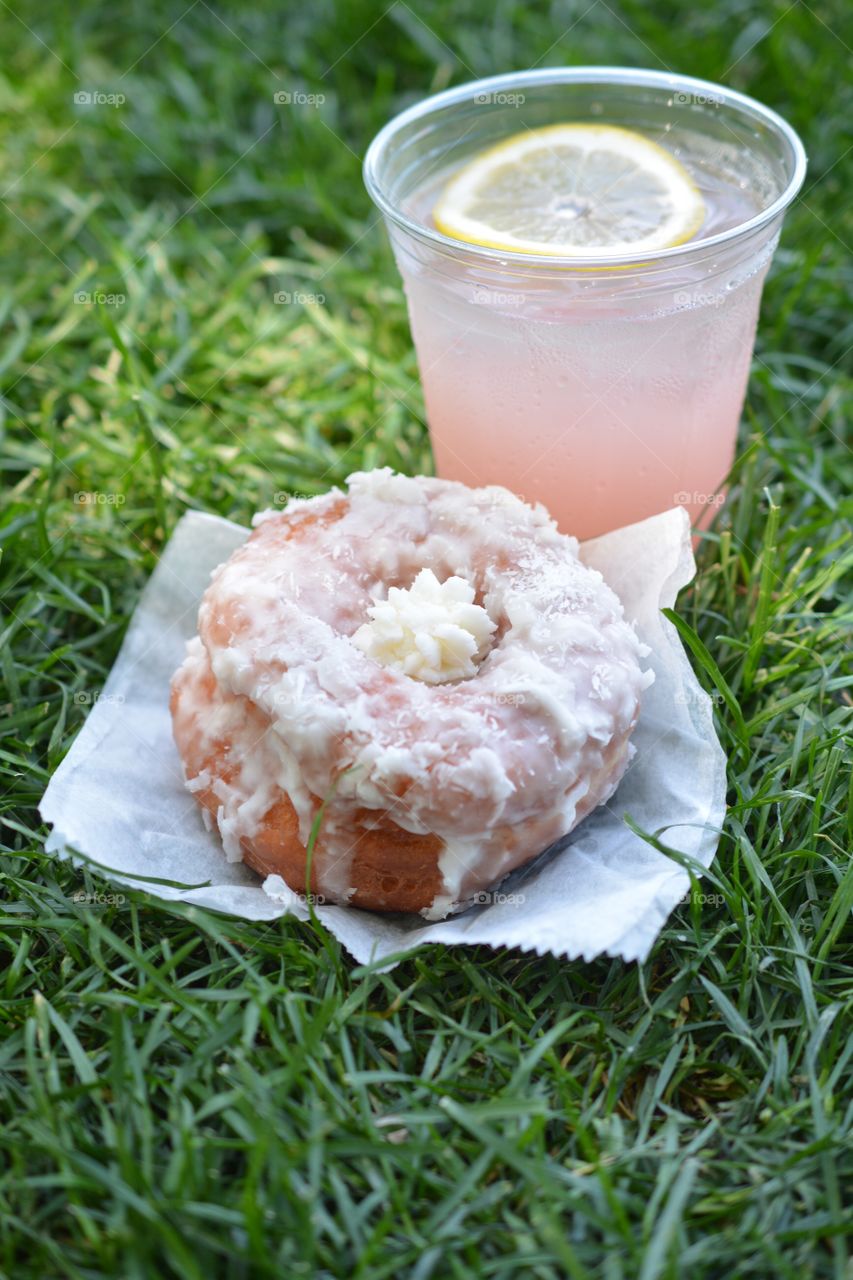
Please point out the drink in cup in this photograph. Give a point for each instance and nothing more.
(583, 252)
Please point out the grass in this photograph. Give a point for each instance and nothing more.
(189, 1095)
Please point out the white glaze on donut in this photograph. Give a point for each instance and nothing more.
(539, 731)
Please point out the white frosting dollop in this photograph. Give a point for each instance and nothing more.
(432, 631)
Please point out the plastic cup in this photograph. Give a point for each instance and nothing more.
(608, 388)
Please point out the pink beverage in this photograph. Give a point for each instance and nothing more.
(609, 390)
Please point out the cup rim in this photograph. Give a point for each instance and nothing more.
(591, 75)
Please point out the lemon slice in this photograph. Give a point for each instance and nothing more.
(574, 190)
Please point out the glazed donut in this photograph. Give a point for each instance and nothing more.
(423, 674)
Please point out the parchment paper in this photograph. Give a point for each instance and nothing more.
(118, 798)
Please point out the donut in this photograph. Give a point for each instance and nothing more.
(418, 682)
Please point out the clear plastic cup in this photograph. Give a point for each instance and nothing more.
(608, 388)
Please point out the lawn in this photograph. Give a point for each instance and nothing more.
(183, 1094)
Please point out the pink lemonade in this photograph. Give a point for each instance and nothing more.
(610, 391)
(605, 408)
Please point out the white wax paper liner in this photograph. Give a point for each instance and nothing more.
(119, 799)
